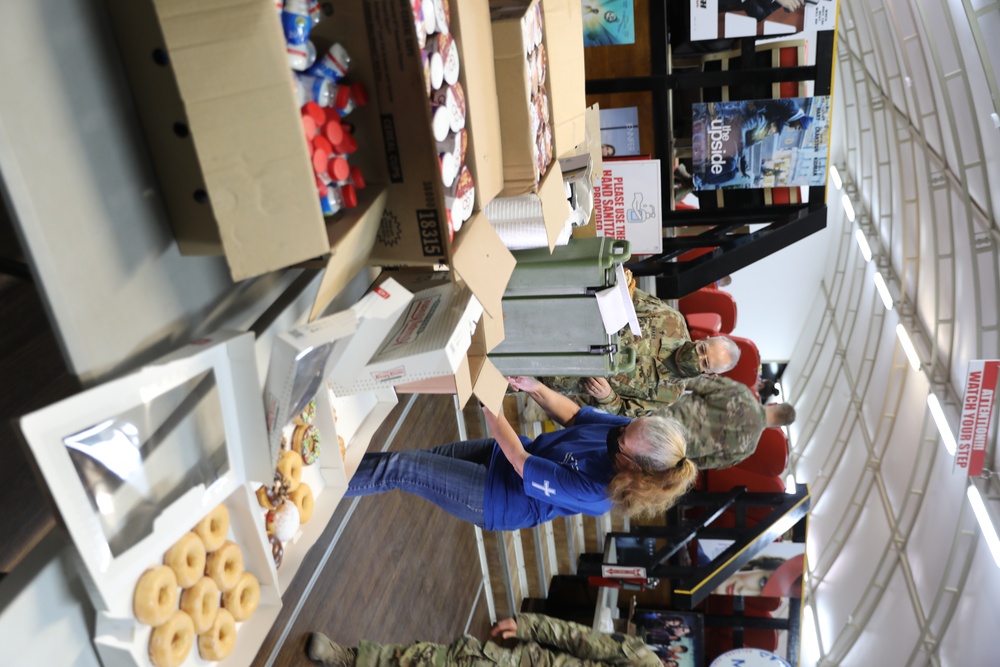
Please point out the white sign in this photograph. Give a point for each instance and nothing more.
(622, 572)
(628, 204)
(977, 414)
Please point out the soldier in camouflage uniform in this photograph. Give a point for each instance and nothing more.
(541, 642)
(665, 360)
(724, 420)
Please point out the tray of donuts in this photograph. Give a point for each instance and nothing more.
(211, 599)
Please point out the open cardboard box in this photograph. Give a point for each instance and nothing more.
(518, 142)
(133, 464)
(215, 94)
(414, 229)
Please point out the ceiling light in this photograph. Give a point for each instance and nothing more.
(790, 484)
(808, 636)
(985, 523)
(848, 207)
(835, 177)
(911, 352)
(942, 423)
(883, 290)
(866, 250)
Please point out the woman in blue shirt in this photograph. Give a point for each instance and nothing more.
(596, 463)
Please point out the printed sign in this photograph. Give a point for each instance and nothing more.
(623, 572)
(608, 22)
(977, 414)
(620, 132)
(760, 143)
(628, 206)
(717, 19)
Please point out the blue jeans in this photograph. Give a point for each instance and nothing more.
(453, 477)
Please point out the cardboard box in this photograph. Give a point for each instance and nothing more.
(414, 229)
(133, 464)
(215, 95)
(339, 345)
(567, 79)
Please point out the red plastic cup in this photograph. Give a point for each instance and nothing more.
(309, 126)
(334, 132)
(320, 187)
(357, 178)
(321, 153)
(350, 196)
(360, 93)
(338, 169)
(315, 112)
(348, 146)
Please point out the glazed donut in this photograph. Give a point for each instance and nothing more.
(155, 597)
(214, 528)
(220, 639)
(242, 600)
(170, 643)
(187, 559)
(290, 467)
(305, 441)
(303, 499)
(277, 550)
(225, 565)
(201, 603)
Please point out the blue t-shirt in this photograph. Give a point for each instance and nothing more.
(567, 473)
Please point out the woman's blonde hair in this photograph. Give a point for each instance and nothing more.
(665, 472)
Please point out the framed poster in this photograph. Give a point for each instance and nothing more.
(608, 22)
(628, 204)
(677, 637)
(760, 143)
(774, 572)
(727, 19)
(620, 132)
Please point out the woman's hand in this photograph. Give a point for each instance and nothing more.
(599, 388)
(524, 383)
(506, 629)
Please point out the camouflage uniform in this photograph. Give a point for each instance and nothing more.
(655, 382)
(542, 642)
(723, 420)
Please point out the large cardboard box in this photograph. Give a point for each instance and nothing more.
(567, 78)
(216, 98)
(134, 464)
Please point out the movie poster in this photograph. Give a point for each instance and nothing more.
(760, 143)
(608, 22)
(628, 204)
(775, 572)
(620, 132)
(718, 19)
(677, 637)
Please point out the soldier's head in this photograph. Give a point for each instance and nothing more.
(717, 354)
(779, 414)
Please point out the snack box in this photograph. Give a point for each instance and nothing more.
(216, 99)
(338, 345)
(355, 419)
(133, 464)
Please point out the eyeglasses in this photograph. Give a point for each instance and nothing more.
(701, 348)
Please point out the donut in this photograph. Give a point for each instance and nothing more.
(283, 522)
(155, 597)
(220, 639)
(277, 550)
(343, 447)
(242, 600)
(303, 499)
(170, 643)
(225, 565)
(186, 559)
(214, 528)
(201, 603)
(308, 413)
(268, 497)
(305, 441)
(290, 467)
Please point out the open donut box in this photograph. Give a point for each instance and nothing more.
(133, 464)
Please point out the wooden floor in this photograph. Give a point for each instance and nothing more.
(400, 570)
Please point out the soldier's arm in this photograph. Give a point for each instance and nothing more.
(585, 643)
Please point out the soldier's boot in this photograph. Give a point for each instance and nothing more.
(322, 649)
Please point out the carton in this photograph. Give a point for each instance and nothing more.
(215, 94)
(133, 464)
(414, 229)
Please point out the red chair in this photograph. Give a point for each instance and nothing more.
(711, 300)
(771, 455)
(703, 325)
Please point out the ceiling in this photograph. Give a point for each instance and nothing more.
(899, 573)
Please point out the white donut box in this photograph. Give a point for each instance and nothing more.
(159, 449)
